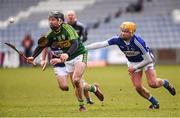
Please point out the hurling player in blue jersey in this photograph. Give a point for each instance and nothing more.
(139, 57)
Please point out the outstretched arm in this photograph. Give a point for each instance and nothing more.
(37, 51)
(42, 43)
(97, 45)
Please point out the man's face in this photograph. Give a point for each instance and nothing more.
(71, 18)
(54, 23)
(125, 34)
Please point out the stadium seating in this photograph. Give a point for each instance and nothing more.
(154, 22)
(29, 16)
(13, 7)
(155, 25)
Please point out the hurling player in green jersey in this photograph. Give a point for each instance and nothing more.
(74, 55)
(60, 68)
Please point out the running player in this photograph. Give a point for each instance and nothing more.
(59, 68)
(74, 55)
(62, 75)
(139, 57)
(81, 30)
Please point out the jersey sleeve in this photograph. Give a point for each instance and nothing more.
(70, 31)
(141, 45)
(83, 32)
(112, 41)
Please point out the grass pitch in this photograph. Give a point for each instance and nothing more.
(30, 92)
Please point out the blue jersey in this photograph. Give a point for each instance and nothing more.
(133, 50)
(56, 52)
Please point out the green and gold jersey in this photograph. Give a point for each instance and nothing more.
(63, 39)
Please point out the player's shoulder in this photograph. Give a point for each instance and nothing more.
(49, 33)
(114, 38)
(80, 24)
(138, 40)
(67, 27)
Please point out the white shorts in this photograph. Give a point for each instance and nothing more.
(60, 71)
(149, 66)
(70, 64)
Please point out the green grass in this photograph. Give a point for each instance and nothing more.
(31, 92)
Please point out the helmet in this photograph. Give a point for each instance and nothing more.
(130, 26)
(58, 15)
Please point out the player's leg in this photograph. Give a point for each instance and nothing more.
(136, 79)
(71, 74)
(86, 87)
(79, 68)
(95, 89)
(61, 75)
(151, 79)
(137, 82)
(158, 82)
(62, 81)
(73, 82)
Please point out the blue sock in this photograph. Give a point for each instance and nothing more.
(153, 100)
(166, 83)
